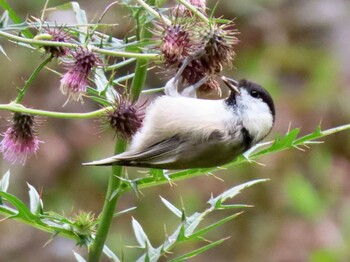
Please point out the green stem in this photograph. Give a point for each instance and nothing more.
(112, 196)
(19, 108)
(115, 184)
(75, 46)
(27, 83)
(139, 79)
(194, 10)
(153, 12)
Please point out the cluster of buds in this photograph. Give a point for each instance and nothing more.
(20, 140)
(210, 46)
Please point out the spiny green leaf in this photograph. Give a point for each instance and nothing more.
(4, 182)
(197, 251)
(140, 234)
(124, 211)
(23, 211)
(110, 254)
(78, 257)
(205, 230)
(171, 207)
(4, 19)
(3, 52)
(36, 204)
(232, 192)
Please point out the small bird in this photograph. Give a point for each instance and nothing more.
(182, 132)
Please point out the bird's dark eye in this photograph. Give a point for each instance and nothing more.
(255, 94)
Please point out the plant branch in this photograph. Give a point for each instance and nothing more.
(194, 10)
(75, 46)
(20, 108)
(153, 12)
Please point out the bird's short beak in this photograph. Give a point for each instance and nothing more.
(232, 84)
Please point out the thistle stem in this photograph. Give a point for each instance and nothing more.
(115, 184)
(112, 196)
(27, 83)
(194, 10)
(153, 12)
(75, 46)
(13, 107)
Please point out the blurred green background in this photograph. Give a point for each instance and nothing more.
(300, 51)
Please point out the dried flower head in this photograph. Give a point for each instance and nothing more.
(75, 80)
(216, 50)
(20, 140)
(125, 118)
(57, 35)
(176, 42)
(218, 43)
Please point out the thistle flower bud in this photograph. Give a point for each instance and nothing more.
(75, 80)
(218, 43)
(57, 35)
(125, 118)
(20, 140)
(176, 42)
(216, 51)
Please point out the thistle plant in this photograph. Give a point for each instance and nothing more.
(88, 74)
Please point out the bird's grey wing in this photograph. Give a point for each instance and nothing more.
(179, 152)
(151, 156)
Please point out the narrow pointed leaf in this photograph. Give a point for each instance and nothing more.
(140, 234)
(4, 182)
(198, 251)
(36, 204)
(78, 257)
(110, 254)
(233, 192)
(205, 230)
(171, 207)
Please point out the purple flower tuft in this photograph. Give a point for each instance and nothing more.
(74, 82)
(20, 140)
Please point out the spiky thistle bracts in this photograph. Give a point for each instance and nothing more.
(74, 82)
(125, 118)
(57, 35)
(20, 140)
(210, 46)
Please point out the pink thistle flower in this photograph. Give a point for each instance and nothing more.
(20, 140)
(75, 80)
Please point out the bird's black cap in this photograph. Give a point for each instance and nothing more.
(253, 89)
